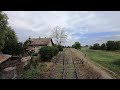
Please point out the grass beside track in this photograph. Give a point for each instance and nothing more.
(107, 59)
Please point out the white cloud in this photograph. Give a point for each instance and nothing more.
(40, 23)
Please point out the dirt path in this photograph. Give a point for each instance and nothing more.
(71, 64)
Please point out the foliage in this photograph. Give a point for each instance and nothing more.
(113, 45)
(76, 45)
(12, 48)
(8, 39)
(3, 26)
(96, 46)
(90, 47)
(68, 46)
(60, 47)
(103, 46)
(30, 74)
(86, 45)
(26, 43)
(34, 72)
(11, 45)
(47, 52)
(110, 46)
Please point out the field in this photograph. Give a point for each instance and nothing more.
(110, 60)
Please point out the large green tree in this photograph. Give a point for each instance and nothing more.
(8, 38)
(3, 27)
(11, 45)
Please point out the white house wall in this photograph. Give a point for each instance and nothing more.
(37, 49)
(50, 44)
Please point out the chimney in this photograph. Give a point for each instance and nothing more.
(39, 38)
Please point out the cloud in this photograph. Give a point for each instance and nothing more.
(79, 24)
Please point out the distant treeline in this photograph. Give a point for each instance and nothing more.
(110, 45)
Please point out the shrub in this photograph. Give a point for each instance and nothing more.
(48, 52)
(55, 50)
(60, 48)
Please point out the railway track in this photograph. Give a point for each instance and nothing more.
(69, 64)
(69, 68)
(76, 72)
(64, 67)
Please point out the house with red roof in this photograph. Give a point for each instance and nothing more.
(37, 43)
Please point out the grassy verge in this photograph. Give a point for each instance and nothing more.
(34, 72)
(107, 59)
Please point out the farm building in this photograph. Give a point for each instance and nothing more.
(37, 43)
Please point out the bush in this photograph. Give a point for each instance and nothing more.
(47, 52)
(60, 48)
(55, 50)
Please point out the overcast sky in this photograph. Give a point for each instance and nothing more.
(87, 27)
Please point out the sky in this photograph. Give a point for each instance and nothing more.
(86, 27)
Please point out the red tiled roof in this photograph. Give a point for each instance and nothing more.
(30, 48)
(4, 57)
(40, 41)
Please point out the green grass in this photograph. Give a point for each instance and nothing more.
(107, 59)
(34, 73)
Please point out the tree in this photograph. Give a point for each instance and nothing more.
(8, 38)
(113, 45)
(90, 47)
(68, 46)
(86, 45)
(19, 48)
(103, 47)
(59, 35)
(96, 46)
(76, 45)
(11, 45)
(3, 26)
(117, 45)
(27, 43)
(110, 45)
